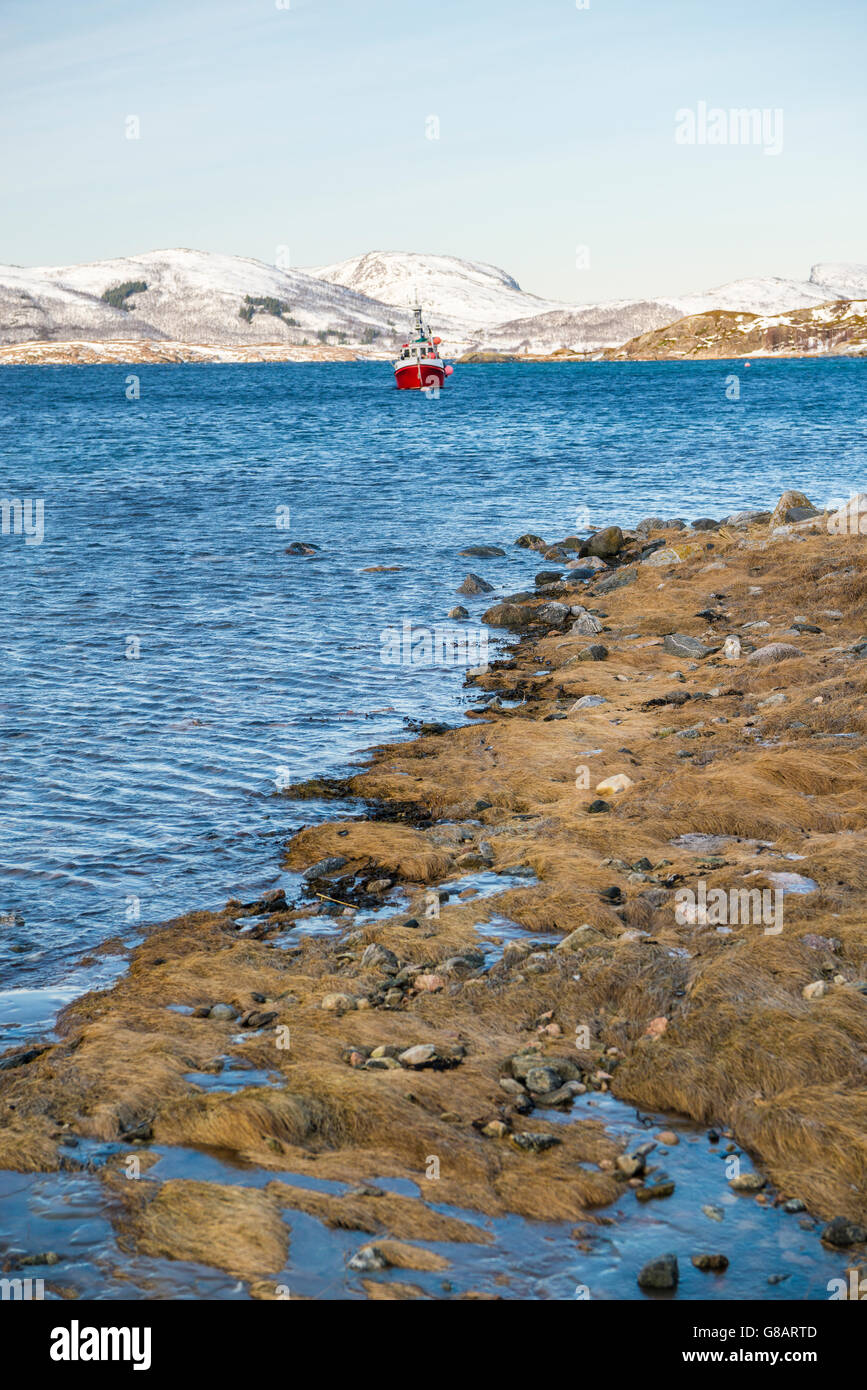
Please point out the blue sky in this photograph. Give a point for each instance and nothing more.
(305, 128)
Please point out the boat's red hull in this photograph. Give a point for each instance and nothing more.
(419, 376)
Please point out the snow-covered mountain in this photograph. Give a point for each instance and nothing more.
(583, 329)
(847, 281)
(191, 296)
(758, 296)
(468, 293)
(208, 298)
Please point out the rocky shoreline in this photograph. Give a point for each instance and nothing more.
(505, 926)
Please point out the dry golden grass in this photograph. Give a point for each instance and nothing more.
(396, 850)
(404, 1218)
(239, 1229)
(742, 1046)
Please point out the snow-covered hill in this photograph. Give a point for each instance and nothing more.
(758, 296)
(847, 281)
(583, 329)
(208, 298)
(191, 296)
(468, 293)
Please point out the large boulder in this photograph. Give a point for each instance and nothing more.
(474, 584)
(604, 543)
(618, 580)
(661, 1273)
(681, 644)
(742, 520)
(792, 506)
(554, 614)
(516, 616)
(774, 652)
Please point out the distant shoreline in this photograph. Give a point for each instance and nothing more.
(150, 352)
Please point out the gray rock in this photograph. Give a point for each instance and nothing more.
(658, 559)
(222, 1011)
(773, 652)
(748, 1182)
(367, 1260)
(338, 1003)
(618, 580)
(741, 520)
(516, 616)
(482, 552)
(606, 542)
(587, 625)
(530, 542)
(655, 1191)
(522, 1063)
(564, 1096)
(323, 867)
(554, 614)
(589, 702)
(422, 1055)
(661, 1273)
(458, 613)
(595, 652)
(705, 523)
(540, 1080)
(534, 1143)
(842, 1233)
(648, 524)
(717, 1264)
(632, 1165)
(379, 957)
(680, 644)
(474, 584)
(511, 1086)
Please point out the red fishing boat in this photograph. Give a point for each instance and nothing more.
(419, 366)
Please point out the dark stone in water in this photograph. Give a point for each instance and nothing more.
(715, 1263)
(659, 1189)
(331, 865)
(842, 1233)
(661, 1273)
(474, 584)
(482, 552)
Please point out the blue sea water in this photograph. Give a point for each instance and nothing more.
(165, 663)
